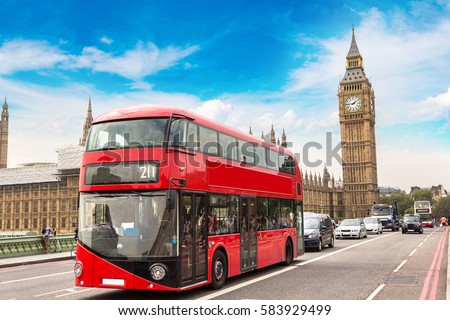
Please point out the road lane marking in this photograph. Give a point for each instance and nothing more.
(286, 269)
(398, 268)
(380, 287)
(401, 265)
(76, 292)
(434, 269)
(34, 278)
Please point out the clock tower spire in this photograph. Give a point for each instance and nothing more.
(357, 119)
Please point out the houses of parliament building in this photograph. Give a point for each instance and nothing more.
(46, 194)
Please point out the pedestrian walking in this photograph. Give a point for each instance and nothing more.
(443, 221)
(46, 238)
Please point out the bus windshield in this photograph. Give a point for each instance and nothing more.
(128, 225)
(127, 134)
(426, 216)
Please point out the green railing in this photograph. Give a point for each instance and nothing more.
(29, 245)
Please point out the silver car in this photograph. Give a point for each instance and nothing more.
(373, 225)
(351, 228)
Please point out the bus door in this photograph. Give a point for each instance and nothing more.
(193, 239)
(248, 234)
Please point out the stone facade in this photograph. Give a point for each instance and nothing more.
(356, 100)
(4, 118)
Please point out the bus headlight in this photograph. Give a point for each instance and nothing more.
(78, 269)
(158, 271)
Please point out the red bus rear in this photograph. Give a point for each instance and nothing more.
(170, 200)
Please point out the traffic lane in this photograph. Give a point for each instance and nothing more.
(201, 293)
(409, 280)
(332, 275)
(352, 271)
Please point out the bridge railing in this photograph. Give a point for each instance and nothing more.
(29, 245)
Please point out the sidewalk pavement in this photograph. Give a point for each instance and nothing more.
(33, 259)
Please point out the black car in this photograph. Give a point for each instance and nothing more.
(318, 231)
(412, 223)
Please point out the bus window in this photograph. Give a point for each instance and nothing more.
(260, 157)
(228, 147)
(208, 141)
(129, 133)
(192, 135)
(272, 160)
(178, 133)
(247, 151)
(262, 212)
(274, 214)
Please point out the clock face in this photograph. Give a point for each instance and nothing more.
(353, 103)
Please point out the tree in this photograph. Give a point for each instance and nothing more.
(404, 202)
(422, 195)
(442, 207)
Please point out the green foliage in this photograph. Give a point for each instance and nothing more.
(422, 195)
(442, 207)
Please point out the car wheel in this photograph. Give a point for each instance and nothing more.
(319, 246)
(331, 245)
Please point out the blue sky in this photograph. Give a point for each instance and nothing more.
(243, 63)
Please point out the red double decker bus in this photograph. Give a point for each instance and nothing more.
(170, 200)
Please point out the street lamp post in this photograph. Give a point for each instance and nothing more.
(353, 210)
(321, 206)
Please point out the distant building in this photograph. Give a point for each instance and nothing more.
(43, 194)
(387, 191)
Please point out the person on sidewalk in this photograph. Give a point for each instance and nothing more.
(443, 221)
(46, 238)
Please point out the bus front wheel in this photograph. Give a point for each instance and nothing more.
(219, 270)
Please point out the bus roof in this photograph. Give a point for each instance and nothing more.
(157, 111)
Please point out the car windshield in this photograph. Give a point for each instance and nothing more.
(311, 223)
(380, 211)
(411, 219)
(370, 220)
(350, 222)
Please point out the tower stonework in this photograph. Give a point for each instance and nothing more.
(4, 136)
(357, 120)
(87, 124)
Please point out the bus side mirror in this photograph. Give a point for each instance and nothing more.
(171, 196)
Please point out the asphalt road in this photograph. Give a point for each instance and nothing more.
(391, 266)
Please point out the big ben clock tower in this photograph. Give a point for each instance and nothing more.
(357, 119)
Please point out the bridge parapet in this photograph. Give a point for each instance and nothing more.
(29, 245)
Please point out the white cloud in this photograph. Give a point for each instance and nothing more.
(403, 64)
(106, 40)
(136, 64)
(144, 60)
(29, 55)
